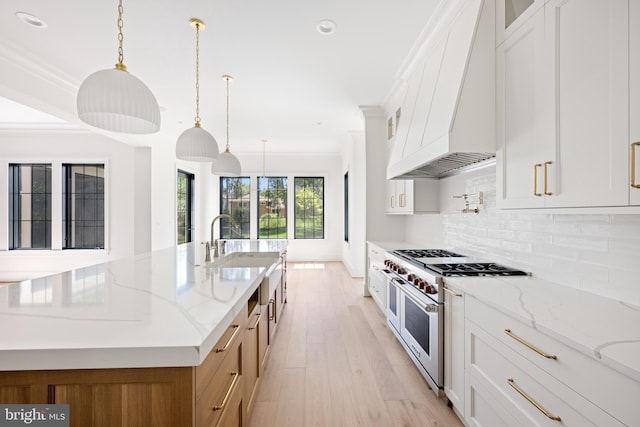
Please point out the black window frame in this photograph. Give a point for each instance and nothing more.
(305, 235)
(187, 229)
(284, 203)
(346, 206)
(242, 228)
(94, 204)
(15, 207)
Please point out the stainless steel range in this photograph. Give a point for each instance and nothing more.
(415, 301)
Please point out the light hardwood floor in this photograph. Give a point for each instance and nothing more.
(334, 362)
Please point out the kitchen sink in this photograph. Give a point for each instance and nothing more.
(246, 259)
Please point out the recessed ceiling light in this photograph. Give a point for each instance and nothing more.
(326, 27)
(31, 20)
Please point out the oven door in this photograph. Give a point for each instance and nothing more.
(393, 303)
(422, 331)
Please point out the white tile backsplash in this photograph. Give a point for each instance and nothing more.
(597, 253)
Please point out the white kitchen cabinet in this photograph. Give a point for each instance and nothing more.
(566, 383)
(563, 140)
(376, 282)
(520, 105)
(587, 46)
(454, 348)
(409, 196)
(525, 392)
(634, 102)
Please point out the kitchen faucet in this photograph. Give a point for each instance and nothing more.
(215, 243)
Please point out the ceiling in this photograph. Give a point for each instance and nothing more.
(292, 85)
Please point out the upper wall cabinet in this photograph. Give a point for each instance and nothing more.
(563, 107)
(510, 14)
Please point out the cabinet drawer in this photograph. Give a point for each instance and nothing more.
(519, 386)
(234, 334)
(218, 395)
(590, 378)
(376, 254)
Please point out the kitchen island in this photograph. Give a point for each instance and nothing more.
(134, 341)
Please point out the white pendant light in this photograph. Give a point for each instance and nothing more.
(227, 164)
(196, 144)
(116, 100)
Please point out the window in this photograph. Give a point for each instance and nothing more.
(346, 207)
(235, 201)
(272, 207)
(184, 206)
(29, 206)
(83, 206)
(309, 215)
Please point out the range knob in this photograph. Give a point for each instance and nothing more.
(410, 277)
(429, 289)
(387, 262)
(421, 283)
(402, 270)
(416, 281)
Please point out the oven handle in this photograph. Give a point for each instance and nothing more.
(429, 308)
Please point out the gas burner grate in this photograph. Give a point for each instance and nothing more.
(426, 253)
(475, 269)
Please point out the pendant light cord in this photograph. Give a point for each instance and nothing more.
(197, 118)
(120, 64)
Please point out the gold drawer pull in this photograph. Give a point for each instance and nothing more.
(391, 201)
(535, 179)
(229, 391)
(449, 291)
(633, 165)
(272, 309)
(228, 344)
(548, 193)
(401, 200)
(257, 321)
(533, 402)
(532, 347)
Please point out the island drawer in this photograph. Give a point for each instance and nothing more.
(234, 334)
(513, 377)
(220, 394)
(587, 376)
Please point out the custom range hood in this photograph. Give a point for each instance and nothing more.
(447, 119)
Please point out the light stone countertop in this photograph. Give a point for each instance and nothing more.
(163, 308)
(604, 329)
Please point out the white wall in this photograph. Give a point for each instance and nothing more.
(324, 165)
(127, 170)
(595, 253)
(354, 161)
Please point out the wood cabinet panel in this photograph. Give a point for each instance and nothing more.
(214, 399)
(251, 361)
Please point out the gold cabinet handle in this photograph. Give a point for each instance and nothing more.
(548, 193)
(401, 200)
(272, 303)
(533, 402)
(455, 294)
(633, 165)
(229, 391)
(535, 179)
(257, 321)
(531, 346)
(391, 202)
(228, 344)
